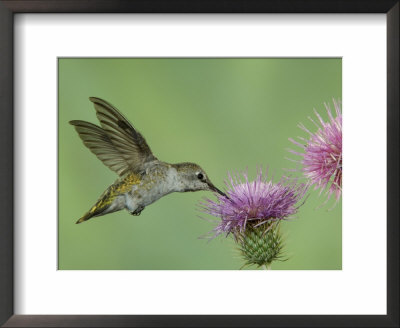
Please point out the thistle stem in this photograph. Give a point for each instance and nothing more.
(266, 266)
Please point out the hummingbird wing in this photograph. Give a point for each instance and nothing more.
(97, 140)
(116, 143)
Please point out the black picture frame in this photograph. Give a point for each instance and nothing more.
(10, 7)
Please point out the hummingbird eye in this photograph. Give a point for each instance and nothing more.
(200, 176)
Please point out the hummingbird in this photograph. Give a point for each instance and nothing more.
(142, 178)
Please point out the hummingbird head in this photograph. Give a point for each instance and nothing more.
(193, 178)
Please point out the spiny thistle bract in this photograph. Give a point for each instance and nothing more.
(322, 157)
(252, 212)
(261, 245)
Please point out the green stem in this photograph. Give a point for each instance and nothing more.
(266, 266)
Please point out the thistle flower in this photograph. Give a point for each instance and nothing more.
(252, 213)
(254, 203)
(322, 157)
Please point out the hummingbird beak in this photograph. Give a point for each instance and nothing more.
(214, 188)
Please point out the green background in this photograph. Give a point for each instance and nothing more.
(225, 115)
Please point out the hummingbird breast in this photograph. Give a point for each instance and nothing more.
(158, 180)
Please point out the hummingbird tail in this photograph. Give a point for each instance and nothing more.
(86, 217)
(103, 206)
(97, 210)
(112, 199)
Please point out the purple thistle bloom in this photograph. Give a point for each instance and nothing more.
(322, 157)
(254, 203)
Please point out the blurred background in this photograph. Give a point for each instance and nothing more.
(224, 114)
